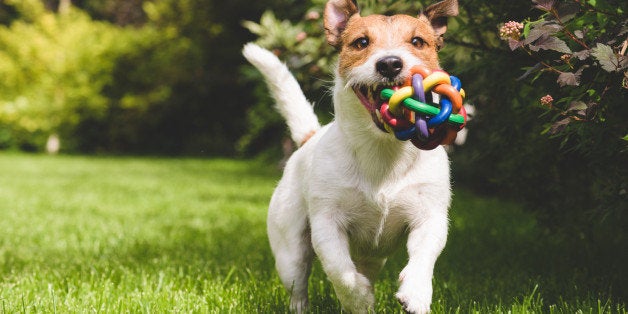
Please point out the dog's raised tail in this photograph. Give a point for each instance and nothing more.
(290, 100)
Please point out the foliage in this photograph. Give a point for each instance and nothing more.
(585, 48)
(140, 76)
(582, 44)
(62, 79)
(51, 77)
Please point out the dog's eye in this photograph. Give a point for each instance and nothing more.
(417, 42)
(360, 43)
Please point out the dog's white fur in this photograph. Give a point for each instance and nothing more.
(351, 194)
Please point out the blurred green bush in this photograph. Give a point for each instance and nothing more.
(124, 76)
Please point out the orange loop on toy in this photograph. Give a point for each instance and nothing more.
(452, 94)
(417, 69)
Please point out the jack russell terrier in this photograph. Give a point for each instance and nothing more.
(352, 193)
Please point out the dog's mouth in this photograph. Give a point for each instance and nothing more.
(370, 97)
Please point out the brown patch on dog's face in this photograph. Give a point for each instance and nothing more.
(365, 36)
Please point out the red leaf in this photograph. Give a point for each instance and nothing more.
(545, 5)
(568, 78)
(582, 54)
(559, 125)
(514, 44)
(550, 43)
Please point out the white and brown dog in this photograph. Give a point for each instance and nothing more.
(351, 193)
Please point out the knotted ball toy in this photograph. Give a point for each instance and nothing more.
(409, 116)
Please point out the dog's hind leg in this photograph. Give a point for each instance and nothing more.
(289, 235)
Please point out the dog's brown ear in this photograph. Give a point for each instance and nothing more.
(438, 13)
(337, 14)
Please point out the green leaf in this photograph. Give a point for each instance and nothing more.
(577, 106)
(253, 27)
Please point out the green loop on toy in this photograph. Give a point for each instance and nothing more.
(423, 108)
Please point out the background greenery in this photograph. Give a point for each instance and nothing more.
(165, 77)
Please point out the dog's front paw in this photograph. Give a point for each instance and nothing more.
(355, 293)
(415, 292)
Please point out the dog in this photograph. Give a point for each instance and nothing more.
(351, 193)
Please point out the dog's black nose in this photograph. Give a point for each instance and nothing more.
(389, 66)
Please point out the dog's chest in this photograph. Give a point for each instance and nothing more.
(375, 222)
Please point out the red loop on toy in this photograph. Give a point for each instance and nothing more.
(394, 122)
(463, 112)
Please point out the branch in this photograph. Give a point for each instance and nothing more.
(554, 12)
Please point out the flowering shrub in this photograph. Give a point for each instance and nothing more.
(511, 29)
(583, 43)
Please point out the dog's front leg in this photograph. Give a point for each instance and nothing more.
(425, 242)
(331, 245)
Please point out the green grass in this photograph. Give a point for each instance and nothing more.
(147, 235)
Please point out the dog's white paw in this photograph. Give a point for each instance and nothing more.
(298, 305)
(355, 293)
(415, 292)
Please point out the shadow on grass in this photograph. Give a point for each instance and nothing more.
(496, 252)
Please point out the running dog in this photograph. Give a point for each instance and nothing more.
(352, 193)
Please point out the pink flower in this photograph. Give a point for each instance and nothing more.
(547, 100)
(301, 36)
(312, 15)
(511, 29)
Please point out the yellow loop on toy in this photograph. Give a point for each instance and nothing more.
(452, 94)
(462, 93)
(437, 77)
(397, 98)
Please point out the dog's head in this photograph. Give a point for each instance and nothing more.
(377, 51)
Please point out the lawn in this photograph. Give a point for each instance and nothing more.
(121, 234)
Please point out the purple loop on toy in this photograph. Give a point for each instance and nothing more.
(421, 125)
(406, 134)
(417, 86)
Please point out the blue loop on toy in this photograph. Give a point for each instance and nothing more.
(455, 82)
(421, 125)
(443, 114)
(417, 86)
(406, 134)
